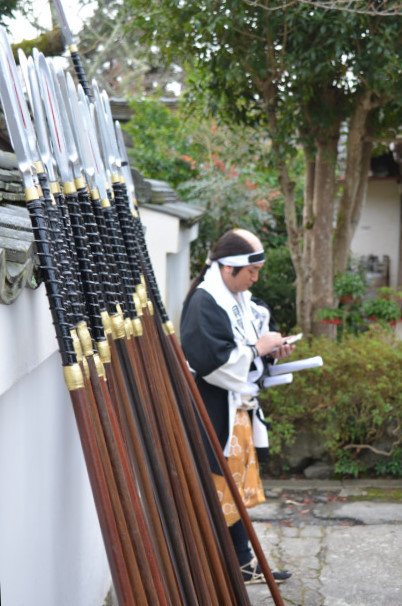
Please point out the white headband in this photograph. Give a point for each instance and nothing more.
(242, 260)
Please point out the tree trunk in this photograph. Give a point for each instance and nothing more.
(310, 246)
(303, 281)
(322, 231)
(359, 149)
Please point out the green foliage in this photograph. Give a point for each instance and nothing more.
(276, 286)
(235, 186)
(353, 313)
(381, 310)
(234, 52)
(298, 73)
(350, 284)
(231, 199)
(7, 8)
(390, 465)
(353, 401)
(347, 466)
(229, 178)
(162, 146)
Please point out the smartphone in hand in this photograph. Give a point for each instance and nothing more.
(293, 338)
(290, 340)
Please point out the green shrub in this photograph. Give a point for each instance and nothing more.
(276, 286)
(354, 312)
(381, 310)
(162, 147)
(354, 401)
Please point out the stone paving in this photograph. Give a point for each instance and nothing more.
(342, 549)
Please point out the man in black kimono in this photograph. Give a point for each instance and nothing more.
(225, 335)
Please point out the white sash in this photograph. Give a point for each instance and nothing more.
(248, 322)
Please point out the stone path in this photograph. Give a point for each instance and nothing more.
(343, 549)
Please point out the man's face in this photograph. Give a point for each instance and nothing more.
(243, 280)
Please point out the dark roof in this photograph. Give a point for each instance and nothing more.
(18, 261)
(161, 197)
(187, 213)
(18, 267)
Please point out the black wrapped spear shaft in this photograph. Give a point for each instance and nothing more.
(80, 397)
(129, 281)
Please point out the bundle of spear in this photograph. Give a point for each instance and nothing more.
(136, 404)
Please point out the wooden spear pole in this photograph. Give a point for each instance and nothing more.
(78, 70)
(20, 129)
(118, 249)
(126, 225)
(204, 417)
(178, 443)
(129, 431)
(144, 547)
(168, 454)
(162, 426)
(152, 584)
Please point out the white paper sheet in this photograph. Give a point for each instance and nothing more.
(279, 380)
(279, 369)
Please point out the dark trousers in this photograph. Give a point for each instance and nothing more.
(240, 542)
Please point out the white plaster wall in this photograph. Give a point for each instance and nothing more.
(161, 236)
(178, 274)
(27, 336)
(51, 548)
(378, 229)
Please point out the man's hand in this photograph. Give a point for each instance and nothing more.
(273, 343)
(283, 351)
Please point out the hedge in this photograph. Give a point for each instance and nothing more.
(353, 402)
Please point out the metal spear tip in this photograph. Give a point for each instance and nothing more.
(96, 159)
(53, 117)
(14, 123)
(4, 40)
(13, 78)
(65, 29)
(65, 122)
(23, 63)
(125, 162)
(40, 121)
(105, 136)
(83, 144)
(112, 132)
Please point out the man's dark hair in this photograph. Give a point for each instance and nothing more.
(231, 243)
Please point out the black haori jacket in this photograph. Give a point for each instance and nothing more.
(221, 360)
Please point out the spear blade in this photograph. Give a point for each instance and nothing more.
(65, 29)
(125, 164)
(23, 63)
(87, 122)
(109, 156)
(53, 116)
(40, 120)
(23, 113)
(14, 120)
(83, 143)
(71, 147)
(68, 38)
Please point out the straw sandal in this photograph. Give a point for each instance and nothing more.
(252, 573)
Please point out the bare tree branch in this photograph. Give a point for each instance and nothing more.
(377, 450)
(384, 8)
